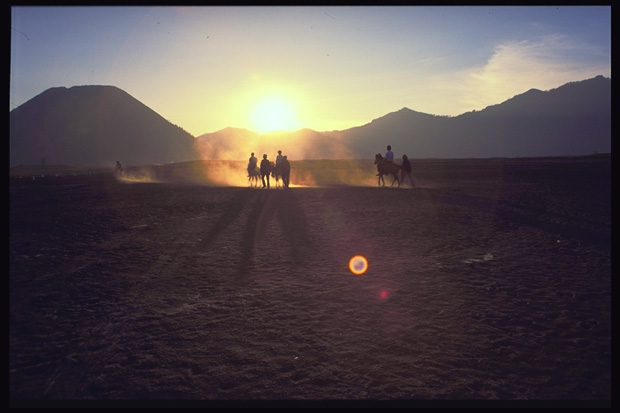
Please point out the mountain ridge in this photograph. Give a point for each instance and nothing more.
(96, 125)
(93, 125)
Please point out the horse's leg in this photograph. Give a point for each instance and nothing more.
(395, 180)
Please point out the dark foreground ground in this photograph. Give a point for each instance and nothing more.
(489, 280)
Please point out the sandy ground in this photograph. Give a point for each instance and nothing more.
(488, 280)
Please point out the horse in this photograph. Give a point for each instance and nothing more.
(275, 172)
(388, 168)
(253, 176)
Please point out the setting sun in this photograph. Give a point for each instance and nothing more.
(273, 114)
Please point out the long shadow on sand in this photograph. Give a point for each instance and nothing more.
(284, 206)
(234, 207)
(260, 209)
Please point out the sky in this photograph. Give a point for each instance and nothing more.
(325, 68)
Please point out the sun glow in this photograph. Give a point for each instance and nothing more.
(274, 113)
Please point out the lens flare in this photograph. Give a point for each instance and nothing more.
(358, 264)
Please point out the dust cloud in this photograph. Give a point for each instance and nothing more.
(307, 173)
(316, 160)
(238, 144)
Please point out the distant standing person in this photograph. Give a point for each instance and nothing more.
(389, 155)
(265, 170)
(279, 158)
(118, 169)
(407, 169)
(285, 169)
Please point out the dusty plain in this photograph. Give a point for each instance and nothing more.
(490, 279)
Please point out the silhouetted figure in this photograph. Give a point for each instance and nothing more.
(275, 168)
(389, 157)
(388, 168)
(253, 172)
(118, 169)
(252, 164)
(265, 170)
(407, 169)
(279, 158)
(285, 171)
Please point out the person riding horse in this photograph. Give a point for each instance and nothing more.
(253, 171)
(276, 167)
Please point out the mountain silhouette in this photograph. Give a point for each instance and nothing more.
(574, 119)
(97, 125)
(93, 126)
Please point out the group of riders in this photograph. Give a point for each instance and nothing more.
(280, 169)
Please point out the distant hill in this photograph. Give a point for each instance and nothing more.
(97, 125)
(93, 126)
(574, 119)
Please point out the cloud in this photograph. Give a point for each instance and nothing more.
(514, 68)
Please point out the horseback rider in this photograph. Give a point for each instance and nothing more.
(252, 162)
(389, 155)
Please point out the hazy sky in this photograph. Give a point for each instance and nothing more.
(324, 68)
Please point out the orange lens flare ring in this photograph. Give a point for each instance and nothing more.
(358, 264)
